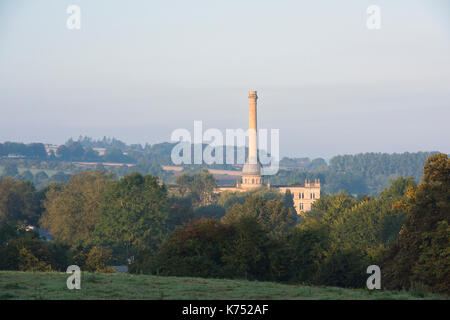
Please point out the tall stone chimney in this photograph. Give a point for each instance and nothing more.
(251, 172)
(252, 127)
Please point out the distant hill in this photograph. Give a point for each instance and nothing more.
(365, 173)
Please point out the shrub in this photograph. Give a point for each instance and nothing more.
(344, 268)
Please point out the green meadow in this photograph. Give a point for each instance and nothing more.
(52, 285)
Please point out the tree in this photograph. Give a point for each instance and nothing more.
(194, 249)
(344, 267)
(18, 202)
(228, 198)
(40, 177)
(72, 151)
(200, 187)
(307, 248)
(210, 211)
(25, 176)
(97, 258)
(116, 155)
(134, 215)
(71, 210)
(329, 207)
(247, 253)
(272, 214)
(397, 189)
(60, 177)
(10, 170)
(180, 212)
(363, 222)
(421, 252)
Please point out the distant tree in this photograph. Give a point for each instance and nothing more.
(397, 189)
(18, 202)
(25, 176)
(60, 177)
(40, 177)
(227, 199)
(71, 210)
(317, 164)
(210, 211)
(134, 215)
(352, 182)
(288, 199)
(33, 150)
(180, 212)
(73, 151)
(299, 163)
(272, 214)
(328, 208)
(200, 187)
(100, 167)
(91, 155)
(52, 155)
(36, 150)
(116, 155)
(364, 221)
(10, 170)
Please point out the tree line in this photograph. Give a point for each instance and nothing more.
(97, 221)
(365, 173)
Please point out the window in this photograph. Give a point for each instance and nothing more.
(301, 205)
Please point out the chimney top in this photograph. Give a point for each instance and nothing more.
(252, 94)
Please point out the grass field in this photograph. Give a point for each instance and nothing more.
(52, 285)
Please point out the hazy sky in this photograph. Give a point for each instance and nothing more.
(137, 70)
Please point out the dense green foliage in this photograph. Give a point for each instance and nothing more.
(24, 250)
(273, 215)
(19, 202)
(367, 173)
(72, 210)
(257, 239)
(422, 252)
(187, 229)
(365, 222)
(133, 215)
(197, 187)
(33, 150)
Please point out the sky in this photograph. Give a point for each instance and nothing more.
(138, 70)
